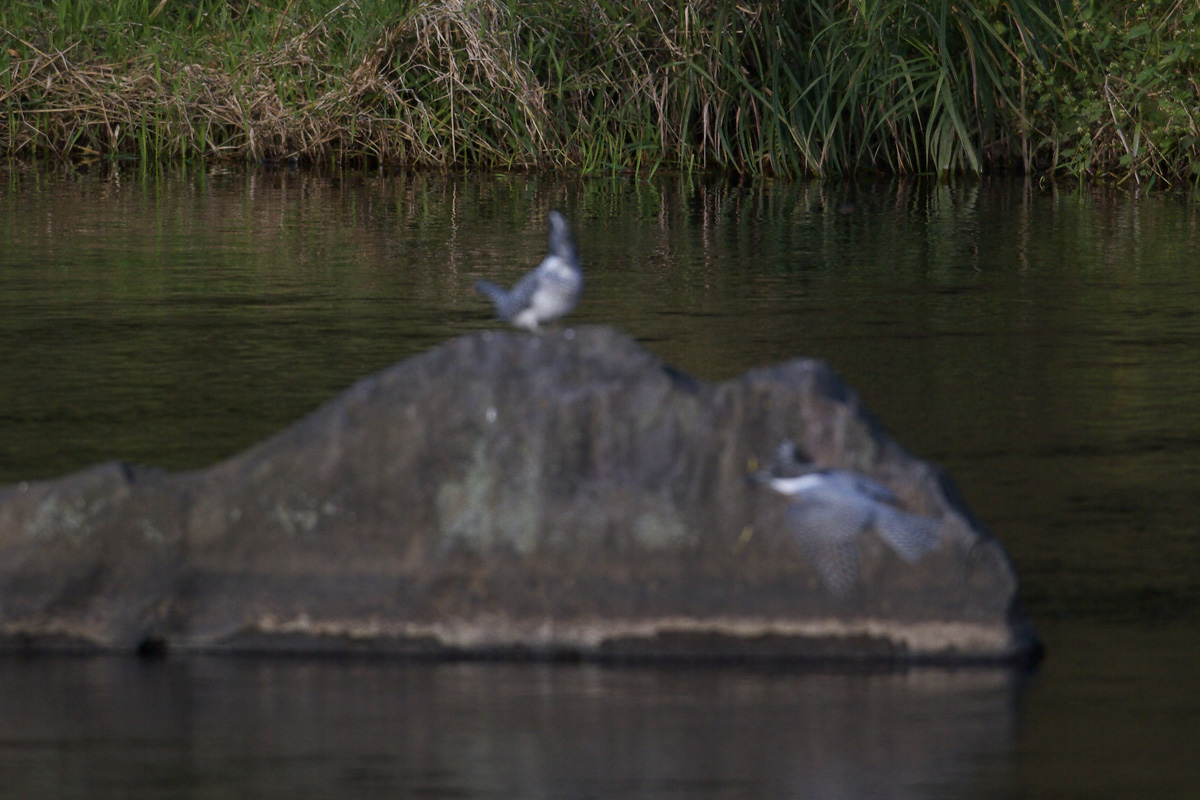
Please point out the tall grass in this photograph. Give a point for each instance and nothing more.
(791, 88)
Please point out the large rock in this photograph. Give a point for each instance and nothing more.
(557, 495)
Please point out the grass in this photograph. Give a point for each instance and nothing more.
(816, 88)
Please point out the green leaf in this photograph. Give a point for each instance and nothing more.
(1139, 30)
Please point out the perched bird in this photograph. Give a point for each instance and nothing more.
(547, 293)
(831, 510)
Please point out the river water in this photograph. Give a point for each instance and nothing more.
(1042, 344)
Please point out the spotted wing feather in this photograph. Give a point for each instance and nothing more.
(911, 536)
(829, 534)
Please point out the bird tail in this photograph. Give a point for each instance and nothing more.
(496, 294)
(561, 242)
(908, 534)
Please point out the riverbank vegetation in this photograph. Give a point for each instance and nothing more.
(826, 87)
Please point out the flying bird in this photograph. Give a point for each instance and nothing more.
(831, 511)
(548, 292)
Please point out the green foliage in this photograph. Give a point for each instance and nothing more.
(815, 87)
(1122, 99)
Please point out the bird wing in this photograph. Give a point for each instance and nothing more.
(560, 242)
(828, 533)
(835, 561)
(836, 517)
(495, 293)
(911, 536)
(853, 483)
(521, 295)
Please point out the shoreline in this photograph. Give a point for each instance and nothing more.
(715, 86)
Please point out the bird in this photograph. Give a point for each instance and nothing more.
(548, 292)
(831, 510)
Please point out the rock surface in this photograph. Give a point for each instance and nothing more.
(563, 495)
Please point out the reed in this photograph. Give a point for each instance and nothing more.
(823, 87)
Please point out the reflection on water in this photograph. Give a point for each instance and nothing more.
(1043, 346)
(296, 729)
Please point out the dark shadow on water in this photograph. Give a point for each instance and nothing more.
(282, 728)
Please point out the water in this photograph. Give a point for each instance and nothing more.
(314, 729)
(1042, 345)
